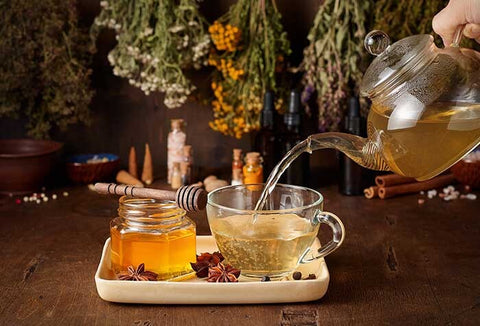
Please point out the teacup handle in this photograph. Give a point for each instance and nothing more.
(338, 231)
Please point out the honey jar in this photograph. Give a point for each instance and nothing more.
(156, 233)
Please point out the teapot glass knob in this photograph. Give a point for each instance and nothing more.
(376, 42)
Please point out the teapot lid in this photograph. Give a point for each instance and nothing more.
(393, 60)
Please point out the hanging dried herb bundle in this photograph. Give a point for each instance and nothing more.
(44, 56)
(156, 40)
(404, 18)
(333, 57)
(251, 46)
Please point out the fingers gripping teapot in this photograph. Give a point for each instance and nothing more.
(425, 113)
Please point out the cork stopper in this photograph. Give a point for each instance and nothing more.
(187, 150)
(176, 123)
(237, 153)
(253, 157)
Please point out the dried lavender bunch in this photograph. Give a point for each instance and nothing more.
(156, 40)
(44, 59)
(333, 58)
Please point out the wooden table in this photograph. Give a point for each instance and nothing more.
(401, 263)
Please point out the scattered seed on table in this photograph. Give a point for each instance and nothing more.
(25, 199)
(18, 201)
(45, 199)
(38, 201)
(65, 194)
(469, 196)
(421, 201)
(54, 196)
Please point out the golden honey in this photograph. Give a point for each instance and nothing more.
(155, 233)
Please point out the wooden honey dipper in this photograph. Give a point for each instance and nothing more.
(190, 198)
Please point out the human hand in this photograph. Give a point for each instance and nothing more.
(458, 12)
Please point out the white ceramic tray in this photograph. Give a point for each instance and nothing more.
(199, 291)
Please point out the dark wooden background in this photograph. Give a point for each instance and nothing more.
(122, 116)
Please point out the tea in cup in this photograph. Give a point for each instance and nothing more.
(274, 241)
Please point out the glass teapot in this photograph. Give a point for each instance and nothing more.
(425, 113)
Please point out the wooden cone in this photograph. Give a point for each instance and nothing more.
(147, 174)
(128, 179)
(132, 163)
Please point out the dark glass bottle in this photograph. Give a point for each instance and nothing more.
(298, 171)
(352, 177)
(265, 140)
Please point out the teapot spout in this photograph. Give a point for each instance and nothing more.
(363, 151)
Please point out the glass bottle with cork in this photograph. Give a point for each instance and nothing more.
(237, 165)
(175, 143)
(253, 169)
(186, 165)
(156, 233)
(176, 179)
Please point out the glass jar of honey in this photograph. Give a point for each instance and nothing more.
(156, 233)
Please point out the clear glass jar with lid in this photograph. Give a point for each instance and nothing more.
(156, 233)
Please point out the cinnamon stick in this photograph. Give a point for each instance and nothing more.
(371, 192)
(392, 179)
(408, 188)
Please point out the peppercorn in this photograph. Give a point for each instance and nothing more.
(265, 279)
(311, 277)
(297, 275)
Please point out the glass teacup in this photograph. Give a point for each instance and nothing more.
(274, 241)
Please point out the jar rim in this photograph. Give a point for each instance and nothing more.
(148, 208)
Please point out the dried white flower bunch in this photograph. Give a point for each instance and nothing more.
(157, 39)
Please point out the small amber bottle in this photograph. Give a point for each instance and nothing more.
(253, 169)
(156, 233)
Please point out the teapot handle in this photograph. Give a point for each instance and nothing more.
(457, 37)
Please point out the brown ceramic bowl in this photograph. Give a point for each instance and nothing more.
(25, 164)
(81, 169)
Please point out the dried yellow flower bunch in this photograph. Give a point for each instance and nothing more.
(250, 47)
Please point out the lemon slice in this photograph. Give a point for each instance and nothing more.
(183, 277)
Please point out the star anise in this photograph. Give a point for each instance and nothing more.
(221, 273)
(139, 274)
(204, 261)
